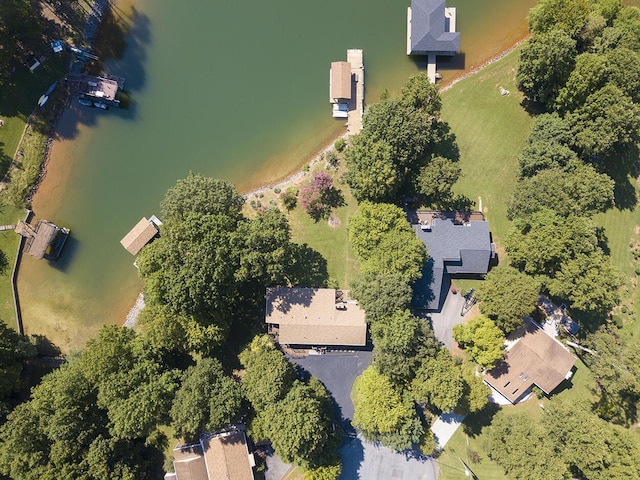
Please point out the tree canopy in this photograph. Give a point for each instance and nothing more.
(300, 425)
(381, 295)
(99, 414)
(399, 137)
(506, 296)
(381, 413)
(482, 338)
(268, 376)
(546, 62)
(578, 189)
(210, 265)
(384, 242)
(207, 400)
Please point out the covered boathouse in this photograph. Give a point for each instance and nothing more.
(45, 240)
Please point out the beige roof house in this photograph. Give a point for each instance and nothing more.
(144, 231)
(340, 81)
(535, 359)
(315, 316)
(221, 456)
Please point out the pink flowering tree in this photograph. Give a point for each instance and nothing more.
(319, 196)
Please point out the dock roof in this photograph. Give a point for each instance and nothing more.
(340, 81)
(312, 316)
(535, 359)
(38, 238)
(428, 29)
(143, 232)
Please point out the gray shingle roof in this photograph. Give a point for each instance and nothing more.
(454, 248)
(428, 28)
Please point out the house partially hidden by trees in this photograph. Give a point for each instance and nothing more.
(431, 31)
(314, 317)
(458, 243)
(221, 456)
(534, 359)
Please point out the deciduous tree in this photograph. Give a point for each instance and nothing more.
(381, 295)
(578, 189)
(207, 400)
(438, 382)
(268, 376)
(506, 296)
(546, 62)
(482, 338)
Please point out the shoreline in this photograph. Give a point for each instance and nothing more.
(299, 173)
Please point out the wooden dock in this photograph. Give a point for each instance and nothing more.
(356, 104)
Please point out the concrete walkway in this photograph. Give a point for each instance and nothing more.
(444, 428)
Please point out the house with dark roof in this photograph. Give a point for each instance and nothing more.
(431, 31)
(458, 243)
(314, 317)
(224, 455)
(535, 358)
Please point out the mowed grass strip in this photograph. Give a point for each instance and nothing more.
(491, 130)
(332, 242)
(9, 241)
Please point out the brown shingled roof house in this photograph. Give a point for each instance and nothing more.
(535, 359)
(221, 456)
(315, 317)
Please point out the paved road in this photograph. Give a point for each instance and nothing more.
(337, 371)
(363, 460)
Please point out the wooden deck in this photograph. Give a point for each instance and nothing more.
(356, 104)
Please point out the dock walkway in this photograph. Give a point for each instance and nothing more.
(356, 104)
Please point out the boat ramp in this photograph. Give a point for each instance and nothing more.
(346, 90)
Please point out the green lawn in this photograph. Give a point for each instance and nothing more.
(331, 242)
(9, 241)
(17, 101)
(491, 131)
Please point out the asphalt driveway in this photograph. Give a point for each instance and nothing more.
(337, 371)
(442, 322)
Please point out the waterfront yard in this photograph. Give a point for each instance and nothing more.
(491, 130)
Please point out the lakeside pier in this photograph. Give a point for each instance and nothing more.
(346, 90)
(356, 105)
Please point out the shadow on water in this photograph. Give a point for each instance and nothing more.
(67, 255)
(122, 43)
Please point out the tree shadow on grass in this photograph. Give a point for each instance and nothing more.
(476, 421)
(308, 267)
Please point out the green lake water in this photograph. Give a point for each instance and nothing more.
(231, 90)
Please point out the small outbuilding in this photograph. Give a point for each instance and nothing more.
(314, 317)
(143, 233)
(534, 359)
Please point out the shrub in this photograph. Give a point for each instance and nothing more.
(332, 159)
(276, 190)
(340, 144)
(290, 198)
